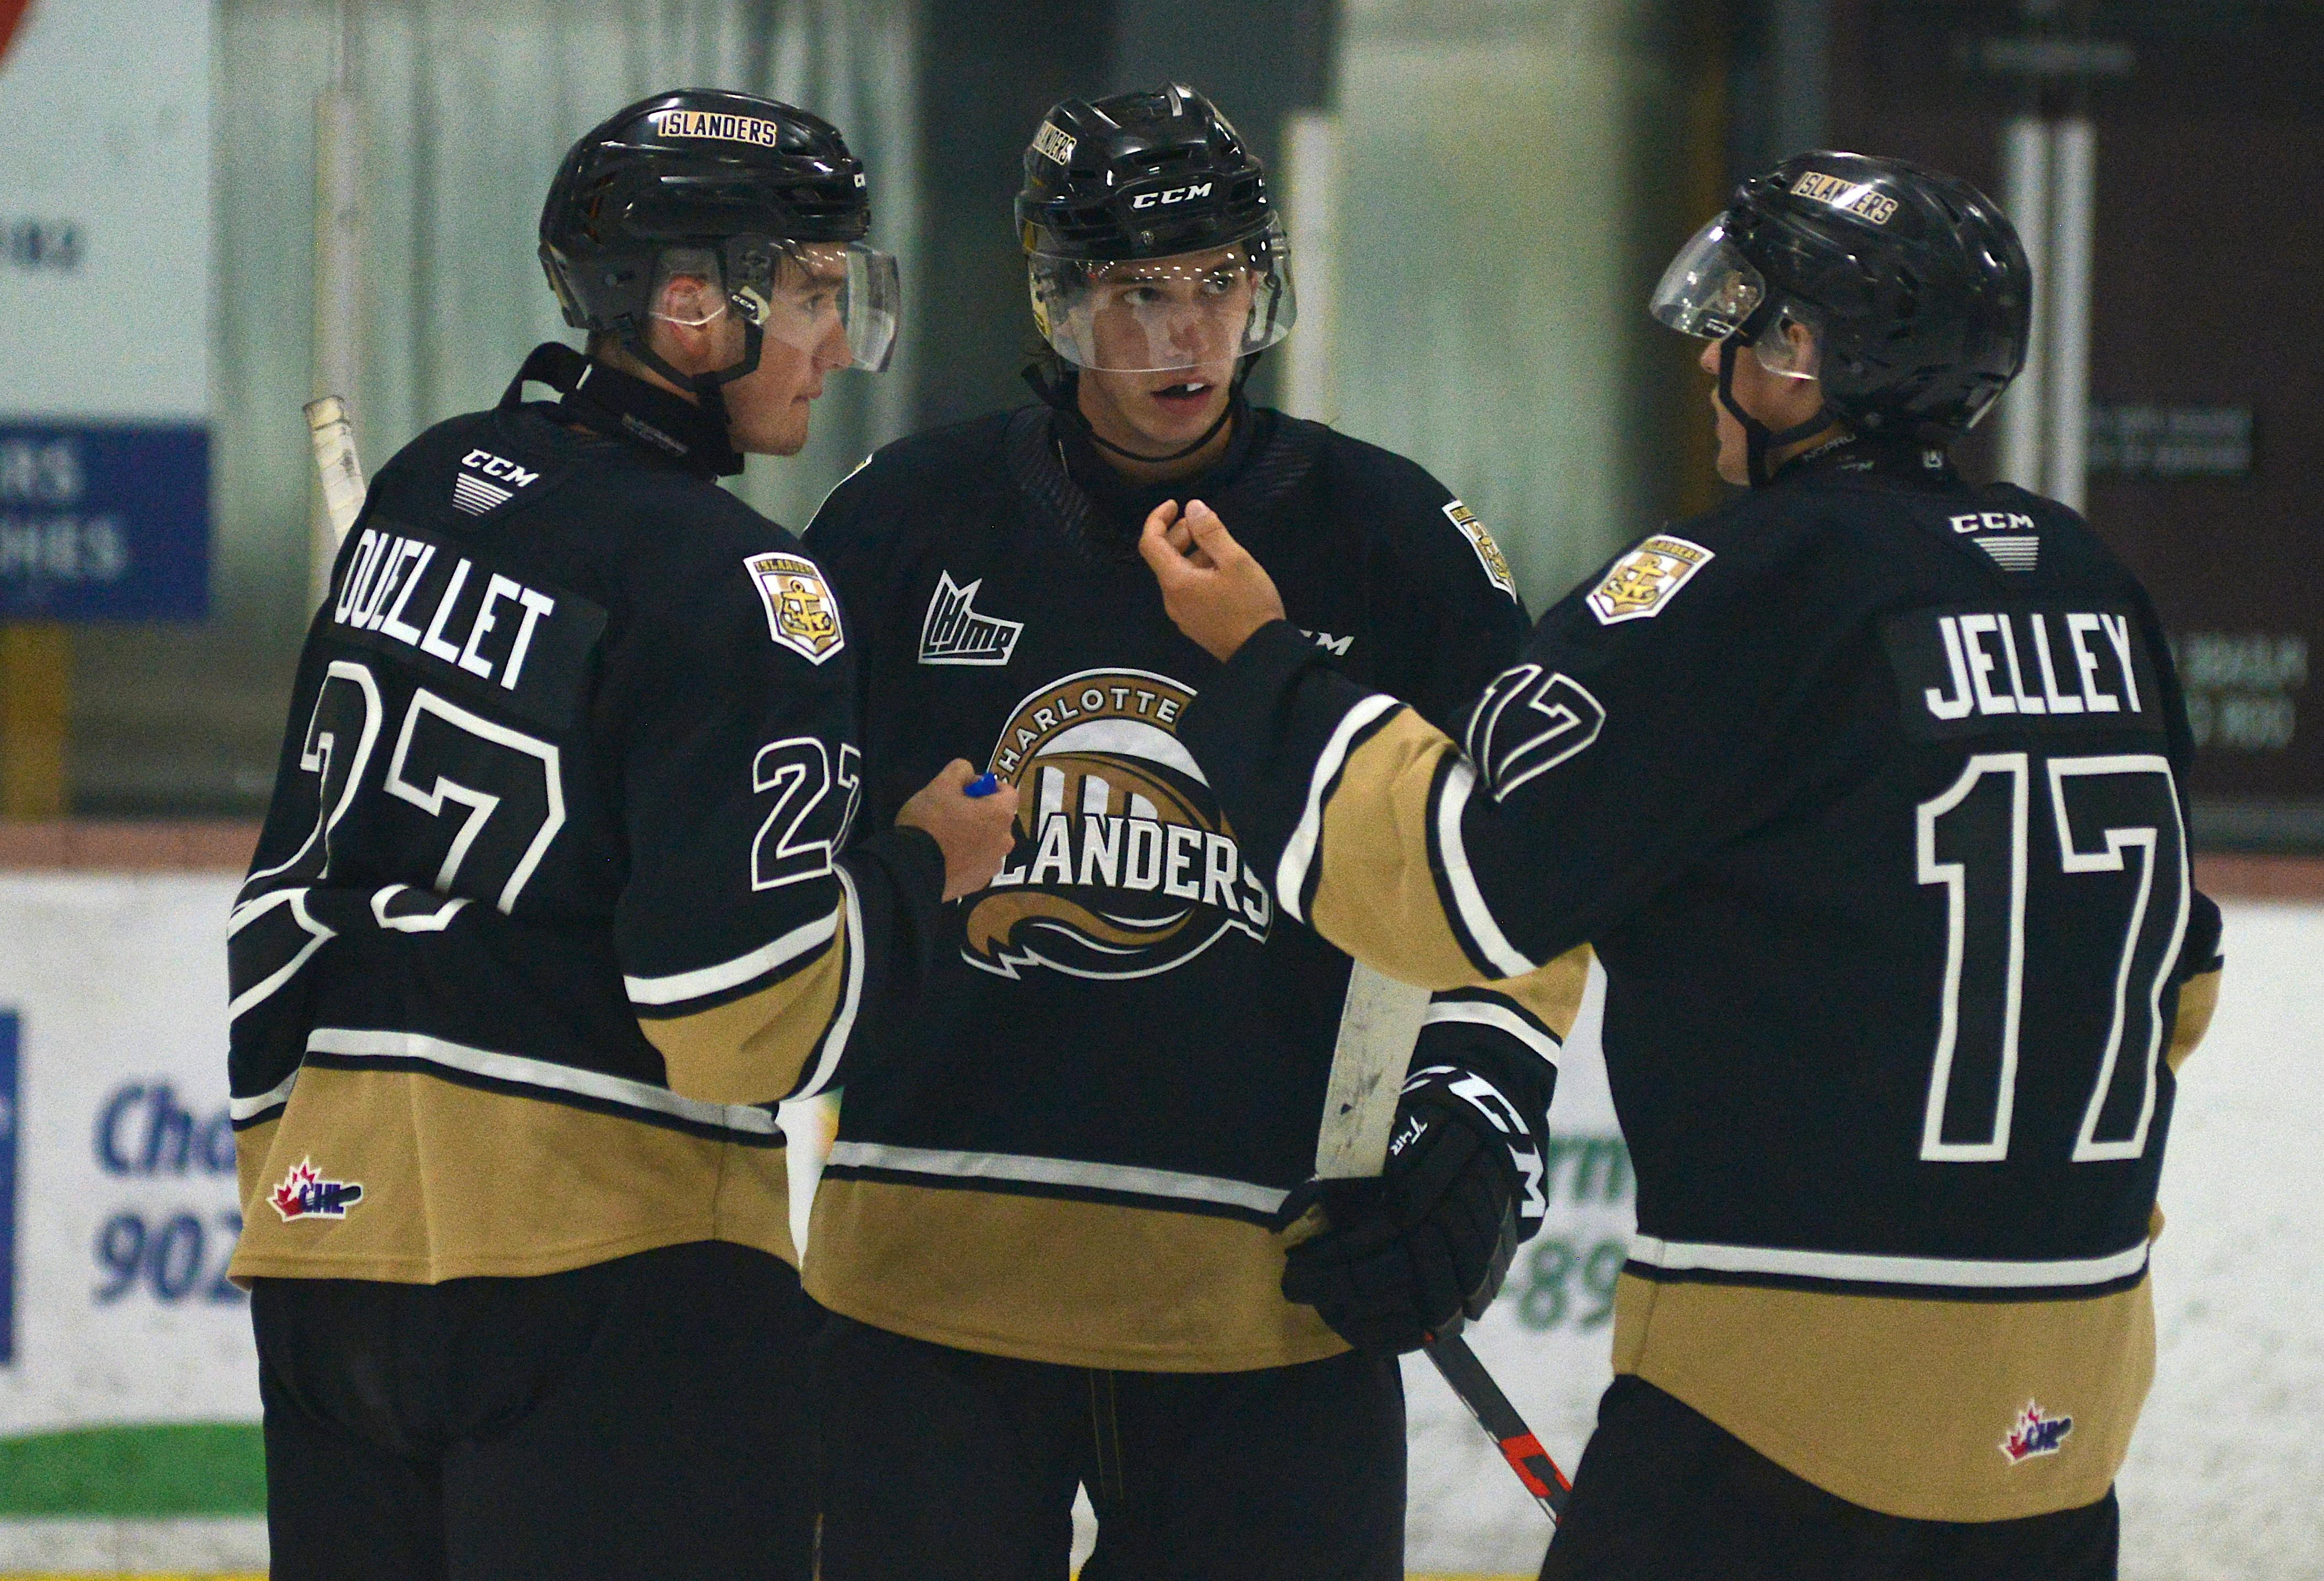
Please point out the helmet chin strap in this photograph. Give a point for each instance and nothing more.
(1759, 440)
(1060, 392)
(709, 389)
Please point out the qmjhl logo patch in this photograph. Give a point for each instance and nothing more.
(954, 633)
(304, 1193)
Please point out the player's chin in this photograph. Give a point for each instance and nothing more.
(1734, 463)
(779, 434)
(1184, 407)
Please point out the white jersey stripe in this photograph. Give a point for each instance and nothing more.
(363, 1043)
(245, 1108)
(1863, 1268)
(1500, 1018)
(1058, 1171)
(679, 986)
(1299, 851)
(249, 912)
(834, 1040)
(1474, 916)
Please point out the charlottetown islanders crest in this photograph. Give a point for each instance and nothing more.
(1124, 867)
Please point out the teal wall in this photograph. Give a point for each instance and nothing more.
(1507, 173)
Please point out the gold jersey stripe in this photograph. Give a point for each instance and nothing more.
(458, 1182)
(2199, 999)
(1903, 1405)
(1375, 895)
(1050, 1278)
(1552, 994)
(755, 1049)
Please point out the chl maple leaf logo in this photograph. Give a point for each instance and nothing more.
(304, 1193)
(2037, 1433)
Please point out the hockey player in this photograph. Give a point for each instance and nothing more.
(1866, 787)
(1050, 1223)
(551, 906)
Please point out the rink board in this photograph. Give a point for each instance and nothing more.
(128, 1441)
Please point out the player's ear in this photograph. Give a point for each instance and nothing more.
(689, 318)
(689, 300)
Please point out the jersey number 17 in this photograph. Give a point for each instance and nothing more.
(2113, 814)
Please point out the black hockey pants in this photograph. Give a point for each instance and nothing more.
(944, 1465)
(1664, 1493)
(638, 1419)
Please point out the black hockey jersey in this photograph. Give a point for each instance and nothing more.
(546, 915)
(1121, 1068)
(1866, 788)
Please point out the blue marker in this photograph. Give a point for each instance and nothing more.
(983, 784)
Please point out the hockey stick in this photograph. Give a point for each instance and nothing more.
(1378, 1025)
(1461, 1368)
(336, 461)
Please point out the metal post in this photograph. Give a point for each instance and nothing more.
(2026, 194)
(1311, 159)
(2074, 192)
(339, 297)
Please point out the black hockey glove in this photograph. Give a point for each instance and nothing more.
(1430, 1239)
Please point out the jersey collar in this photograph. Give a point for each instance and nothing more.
(1893, 460)
(606, 401)
(1125, 503)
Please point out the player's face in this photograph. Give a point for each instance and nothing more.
(1187, 313)
(1779, 401)
(803, 339)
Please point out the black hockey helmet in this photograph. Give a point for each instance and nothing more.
(762, 195)
(1912, 284)
(1159, 180)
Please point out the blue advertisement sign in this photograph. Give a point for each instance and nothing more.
(8, 1089)
(104, 521)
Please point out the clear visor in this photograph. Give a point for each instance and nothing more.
(1710, 290)
(835, 300)
(1158, 314)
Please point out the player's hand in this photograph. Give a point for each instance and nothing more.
(1427, 1241)
(976, 832)
(1214, 591)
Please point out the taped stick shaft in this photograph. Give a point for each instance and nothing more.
(336, 462)
(1378, 1025)
(1378, 1029)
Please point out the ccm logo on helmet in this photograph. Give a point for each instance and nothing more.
(1174, 195)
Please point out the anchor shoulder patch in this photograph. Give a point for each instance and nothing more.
(802, 615)
(1642, 583)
